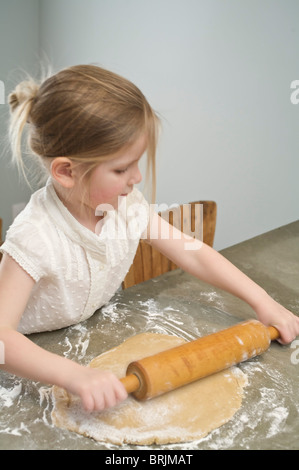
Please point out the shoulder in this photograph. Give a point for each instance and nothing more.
(27, 239)
(31, 222)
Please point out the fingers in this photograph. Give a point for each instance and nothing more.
(288, 330)
(287, 335)
(271, 313)
(103, 391)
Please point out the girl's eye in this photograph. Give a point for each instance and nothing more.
(121, 171)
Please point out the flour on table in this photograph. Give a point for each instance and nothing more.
(186, 414)
(7, 397)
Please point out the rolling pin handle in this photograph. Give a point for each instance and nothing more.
(274, 333)
(131, 383)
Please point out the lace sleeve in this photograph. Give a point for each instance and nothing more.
(25, 244)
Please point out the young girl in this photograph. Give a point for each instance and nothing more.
(89, 128)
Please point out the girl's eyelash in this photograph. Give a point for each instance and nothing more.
(121, 171)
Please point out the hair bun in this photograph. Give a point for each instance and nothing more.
(23, 92)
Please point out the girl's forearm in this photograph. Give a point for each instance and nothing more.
(210, 266)
(202, 261)
(213, 268)
(25, 359)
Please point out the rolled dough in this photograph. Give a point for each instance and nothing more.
(186, 414)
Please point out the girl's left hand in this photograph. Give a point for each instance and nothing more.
(271, 313)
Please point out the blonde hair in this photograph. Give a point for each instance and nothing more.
(85, 113)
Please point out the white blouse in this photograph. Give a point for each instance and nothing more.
(76, 270)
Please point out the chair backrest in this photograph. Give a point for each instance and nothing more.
(149, 263)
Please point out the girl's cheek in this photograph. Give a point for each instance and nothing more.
(105, 195)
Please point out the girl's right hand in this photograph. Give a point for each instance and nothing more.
(97, 389)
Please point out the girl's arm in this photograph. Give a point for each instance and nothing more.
(210, 266)
(97, 389)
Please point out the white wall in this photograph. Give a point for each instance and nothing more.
(219, 73)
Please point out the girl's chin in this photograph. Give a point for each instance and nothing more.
(113, 203)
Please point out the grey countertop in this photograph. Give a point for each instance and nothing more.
(177, 303)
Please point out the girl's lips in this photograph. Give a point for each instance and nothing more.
(126, 194)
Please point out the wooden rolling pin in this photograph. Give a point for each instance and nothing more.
(173, 368)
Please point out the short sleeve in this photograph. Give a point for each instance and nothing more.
(26, 244)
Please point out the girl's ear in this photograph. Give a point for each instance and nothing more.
(62, 170)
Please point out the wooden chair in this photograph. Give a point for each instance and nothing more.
(149, 263)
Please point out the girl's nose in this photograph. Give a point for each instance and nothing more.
(136, 176)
